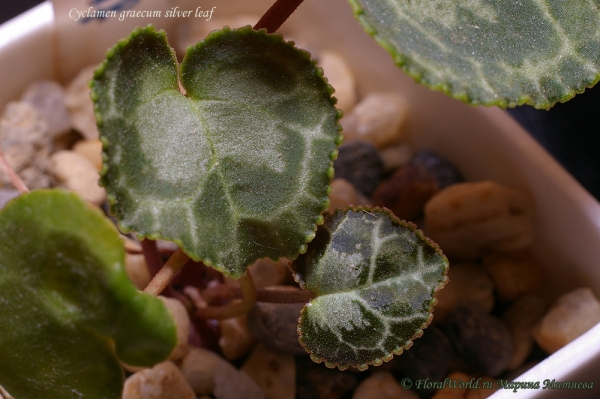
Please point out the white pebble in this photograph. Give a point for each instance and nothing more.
(74, 172)
(163, 381)
(137, 270)
(182, 323)
(80, 105)
(378, 119)
(340, 77)
(92, 150)
(570, 316)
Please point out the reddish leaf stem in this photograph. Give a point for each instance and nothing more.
(167, 272)
(152, 256)
(234, 308)
(275, 16)
(12, 175)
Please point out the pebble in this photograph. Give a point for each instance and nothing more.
(163, 381)
(274, 372)
(343, 193)
(92, 150)
(315, 381)
(26, 145)
(380, 385)
(468, 283)
(569, 317)
(6, 194)
(236, 339)
(443, 171)
(340, 76)
(80, 105)
(378, 119)
(471, 219)
(483, 391)
(396, 156)
(429, 357)
(198, 367)
(275, 325)
(359, 163)
(453, 392)
(230, 383)
(514, 273)
(520, 317)
(182, 323)
(481, 340)
(48, 98)
(406, 192)
(266, 273)
(74, 172)
(137, 270)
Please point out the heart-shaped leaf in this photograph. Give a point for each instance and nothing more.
(375, 279)
(236, 170)
(68, 312)
(491, 52)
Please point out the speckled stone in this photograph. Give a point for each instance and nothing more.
(481, 340)
(275, 325)
(274, 372)
(360, 163)
(26, 145)
(236, 339)
(48, 98)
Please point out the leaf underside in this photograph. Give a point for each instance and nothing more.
(375, 279)
(68, 312)
(535, 52)
(237, 169)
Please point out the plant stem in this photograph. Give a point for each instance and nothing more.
(167, 272)
(152, 256)
(12, 175)
(275, 16)
(234, 308)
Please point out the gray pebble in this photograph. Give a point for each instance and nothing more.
(6, 195)
(481, 340)
(26, 144)
(360, 163)
(48, 98)
(275, 325)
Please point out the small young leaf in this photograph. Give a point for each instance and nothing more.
(536, 52)
(375, 279)
(236, 170)
(68, 312)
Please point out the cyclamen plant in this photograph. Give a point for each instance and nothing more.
(238, 169)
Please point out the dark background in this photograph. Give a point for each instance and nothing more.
(568, 131)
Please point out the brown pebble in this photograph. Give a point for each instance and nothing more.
(406, 192)
(514, 273)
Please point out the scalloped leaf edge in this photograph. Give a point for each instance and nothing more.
(419, 333)
(401, 61)
(318, 72)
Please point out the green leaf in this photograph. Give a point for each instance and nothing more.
(375, 279)
(536, 52)
(236, 170)
(68, 311)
